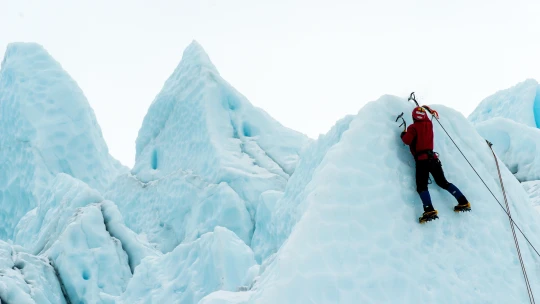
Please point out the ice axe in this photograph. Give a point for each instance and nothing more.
(431, 111)
(413, 98)
(404, 124)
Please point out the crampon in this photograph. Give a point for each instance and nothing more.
(428, 216)
(463, 207)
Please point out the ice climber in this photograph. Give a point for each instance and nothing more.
(419, 137)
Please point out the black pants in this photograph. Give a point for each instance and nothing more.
(424, 168)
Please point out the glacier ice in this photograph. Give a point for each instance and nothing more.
(225, 205)
(135, 248)
(27, 279)
(49, 128)
(178, 208)
(357, 242)
(226, 297)
(517, 145)
(42, 226)
(520, 103)
(91, 264)
(83, 237)
(218, 260)
(533, 190)
(200, 123)
(506, 120)
(204, 157)
(277, 216)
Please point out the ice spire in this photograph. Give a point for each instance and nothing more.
(48, 127)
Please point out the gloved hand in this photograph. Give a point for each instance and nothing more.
(433, 112)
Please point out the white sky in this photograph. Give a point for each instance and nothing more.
(306, 62)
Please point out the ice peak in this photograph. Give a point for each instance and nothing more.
(531, 81)
(49, 128)
(195, 56)
(195, 46)
(16, 51)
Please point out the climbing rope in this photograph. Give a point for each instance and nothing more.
(529, 290)
(507, 210)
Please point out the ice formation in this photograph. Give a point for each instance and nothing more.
(204, 156)
(200, 123)
(510, 120)
(27, 279)
(357, 242)
(180, 207)
(278, 212)
(226, 206)
(520, 103)
(516, 144)
(217, 260)
(49, 128)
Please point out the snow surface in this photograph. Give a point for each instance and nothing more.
(49, 128)
(357, 242)
(520, 103)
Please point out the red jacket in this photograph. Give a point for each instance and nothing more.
(419, 137)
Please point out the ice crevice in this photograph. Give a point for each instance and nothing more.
(248, 146)
(134, 249)
(129, 258)
(60, 281)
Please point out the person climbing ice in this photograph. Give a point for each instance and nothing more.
(419, 137)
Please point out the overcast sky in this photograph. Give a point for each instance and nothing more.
(306, 62)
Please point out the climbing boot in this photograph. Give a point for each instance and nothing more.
(463, 205)
(428, 216)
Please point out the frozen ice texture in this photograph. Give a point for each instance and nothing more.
(48, 128)
(520, 103)
(358, 239)
(225, 205)
(218, 260)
